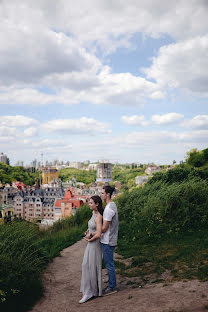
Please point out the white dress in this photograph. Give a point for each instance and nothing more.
(91, 283)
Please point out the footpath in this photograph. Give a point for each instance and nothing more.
(62, 291)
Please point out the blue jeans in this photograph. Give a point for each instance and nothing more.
(108, 253)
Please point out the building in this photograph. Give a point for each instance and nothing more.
(7, 194)
(69, 183)
(4, 158)
(34, 163)
(67, 206)
(76, 165)
(139, 180)
(152, 169)
(7, 213)
(104, 172)
(36, 205)
(92, 166)
(49, 175)
(47, 205)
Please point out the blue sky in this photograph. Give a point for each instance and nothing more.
(94, 80)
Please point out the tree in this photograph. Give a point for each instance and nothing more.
(196, 158)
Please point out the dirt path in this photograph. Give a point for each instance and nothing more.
(62, 283)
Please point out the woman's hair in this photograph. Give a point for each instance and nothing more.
(98, 200)
(109, 189)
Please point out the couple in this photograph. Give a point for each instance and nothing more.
(102, 237)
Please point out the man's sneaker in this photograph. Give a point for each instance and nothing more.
(109, 291)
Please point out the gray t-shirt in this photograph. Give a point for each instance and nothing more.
(111, 235)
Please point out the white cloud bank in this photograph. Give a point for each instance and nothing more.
(84, 125)
(182, 65)
(17, 121)
(198, 122)
(135, 120)
(167, 119)
(48, 50)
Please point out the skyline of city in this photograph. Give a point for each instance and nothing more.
(73, 164)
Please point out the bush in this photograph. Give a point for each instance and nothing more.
(163, 206)
(25, 252)
(20, 262)
(197, 158)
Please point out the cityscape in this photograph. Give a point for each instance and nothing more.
(52, 199)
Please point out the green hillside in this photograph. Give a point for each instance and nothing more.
(8, 174)
(164, 224)
(81, 175)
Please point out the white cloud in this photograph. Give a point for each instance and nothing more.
(30, 132)
(17, 121)
(154, 138)
(166, 119)
(182, 65)
(64, 59)
(44, 144)
(135, 120)
(111, 24)
(6, 131)
(83, 125)
(198, 122)
(45, 52)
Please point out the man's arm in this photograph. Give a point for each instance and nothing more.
(105, 226)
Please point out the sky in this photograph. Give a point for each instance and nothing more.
(123, 81)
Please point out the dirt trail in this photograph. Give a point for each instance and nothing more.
(62, 283)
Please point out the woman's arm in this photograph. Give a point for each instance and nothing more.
(98, 232)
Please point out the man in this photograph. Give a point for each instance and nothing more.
(109, 237)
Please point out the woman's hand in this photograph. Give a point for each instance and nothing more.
(87, 239)
(87, 236)
(86, 232)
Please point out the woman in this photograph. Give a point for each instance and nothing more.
(91, 284)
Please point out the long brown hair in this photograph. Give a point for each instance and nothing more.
(98, 200)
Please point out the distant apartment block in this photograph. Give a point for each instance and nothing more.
(75, 164)
(34, 163)
(104, 172)
(3, 158)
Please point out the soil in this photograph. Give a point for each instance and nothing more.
(62, 285)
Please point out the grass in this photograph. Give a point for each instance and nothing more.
(25, 252)
(184, 255)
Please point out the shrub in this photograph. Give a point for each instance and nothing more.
(24, 253)
(20, 261)
(163, 206)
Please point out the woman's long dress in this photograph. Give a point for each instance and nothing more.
(91, 283)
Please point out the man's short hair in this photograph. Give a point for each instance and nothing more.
(109, 189)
